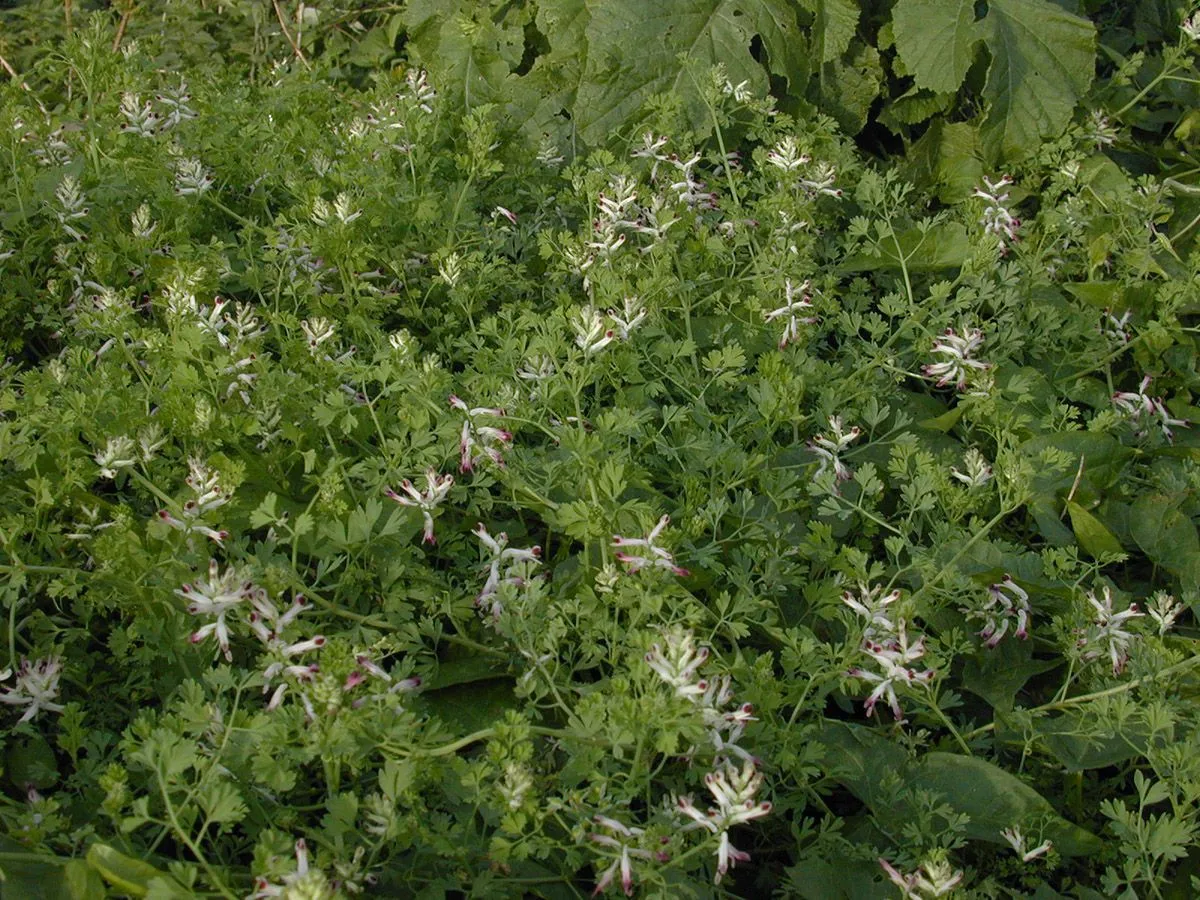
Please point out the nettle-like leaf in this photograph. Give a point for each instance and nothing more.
(1042, 62)
(633, 55)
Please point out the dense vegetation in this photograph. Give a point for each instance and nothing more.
(545, 447)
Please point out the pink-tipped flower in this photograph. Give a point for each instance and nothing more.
(505, 566)
(1006, 602)
(829, 448)
(35, 686)
(437, 488)
(1107, 632)
(797, 301)
(653, 556)
(958, 363)
(892, 656)
(477, 441)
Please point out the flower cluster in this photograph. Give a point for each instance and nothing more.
(892, 655)
(1106, 635)
(437, 487)
(366, 667)
(35, 686)
(1006, 602)
(118, 454)
(734, 791)
(479, 442)
(621, 841)
(1143, 410)
(797, 300)
(1016, 840)
(978, 471)
(506, 558)
(997, 219)
(652, 555)
(302, 882)
(677, 661)
(209, 495)
(959, 362)
(593, 333)
(871, 604)
(268, 623)
(216, 596)
(934, 878)
(828, 449)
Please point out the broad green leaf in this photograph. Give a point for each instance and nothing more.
(945, 246)
(469, 55)
(636, 50)
(126, 874)
(998, 675)
(936, 39)
(1092, 534)
(836, 23)
(1043, 62)
(850, 85)
(867, 762)
(83, 882)
(1167, 536)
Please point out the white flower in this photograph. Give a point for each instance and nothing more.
(1191, 27)
(35, 687)
(592, 334)
(935, 878)
(657, 556)
(72, 206)
(869, 605)
(1005, 602)
(489, 441)
(191, 178)
(1164, 609)
(511, 559)
(1016, 840)
(978, 471)
(959, 363)
(218, 595)
(1107, 632)
(622, 839)
(822, 181)
(209, 495)
(829, 448)
(796, 301)
(1116, 329)
(786, 155)
(679, 662)
(302, 883)
(996, 217)
(117, 454)
(1139, 405)
(893, 656)
(733, 790)
(316, 332)
(140, 118)
(437, 487)
(420, 91)
(626, 320)
(366, 667)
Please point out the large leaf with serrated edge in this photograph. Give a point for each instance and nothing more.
(1043, 62)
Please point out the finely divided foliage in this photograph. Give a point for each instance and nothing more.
(552, 465)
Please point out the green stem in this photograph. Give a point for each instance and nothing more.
(1096, 695)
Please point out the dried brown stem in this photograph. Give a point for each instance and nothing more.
(121, 26)
(287, 34)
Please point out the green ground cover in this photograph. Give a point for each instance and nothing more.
(735, 448)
